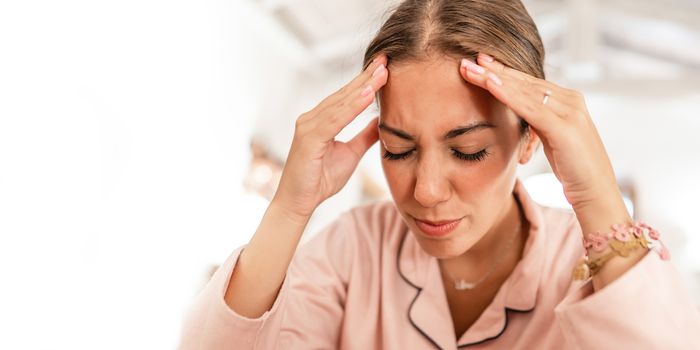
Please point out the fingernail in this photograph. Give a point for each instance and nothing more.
(495, 79)
(378, 70)
(475, 68)
(486, 57)
(367, 91)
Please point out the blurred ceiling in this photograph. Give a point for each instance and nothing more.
(614, 44)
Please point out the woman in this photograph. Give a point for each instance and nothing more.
(462, 257)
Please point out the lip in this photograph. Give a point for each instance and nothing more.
(437, 228)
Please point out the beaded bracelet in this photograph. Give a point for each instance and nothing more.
(622, 240)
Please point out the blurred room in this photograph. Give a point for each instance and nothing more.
(140, 141)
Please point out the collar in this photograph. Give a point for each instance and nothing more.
(517, 294)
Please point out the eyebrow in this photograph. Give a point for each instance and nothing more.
(472, 127)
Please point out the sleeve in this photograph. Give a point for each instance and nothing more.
(648, 307)
(307, 312)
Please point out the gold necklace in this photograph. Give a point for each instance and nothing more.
(462, 284)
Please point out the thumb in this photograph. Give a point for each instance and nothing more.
(365, 139)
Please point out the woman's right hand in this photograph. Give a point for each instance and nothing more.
(318, 166)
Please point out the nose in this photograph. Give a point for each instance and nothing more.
(432, 184)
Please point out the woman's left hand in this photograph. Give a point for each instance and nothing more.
(572, 146)
(570, 139)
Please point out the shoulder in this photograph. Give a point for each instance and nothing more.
(558, 222)
(357, 236)
(362, 226)
(563, 244)
(375, 216)
(561, 229)
(369, 228)
(377, 224)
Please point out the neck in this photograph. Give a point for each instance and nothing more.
(484, 253)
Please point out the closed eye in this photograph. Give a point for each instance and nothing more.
(397, 156)
(469, 157)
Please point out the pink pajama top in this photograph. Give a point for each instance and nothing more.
(364, 282)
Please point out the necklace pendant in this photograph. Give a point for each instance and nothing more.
(462, 285)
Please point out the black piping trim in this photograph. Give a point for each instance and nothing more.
(419, 290)
(502, 330)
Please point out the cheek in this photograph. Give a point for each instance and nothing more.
(476, 175)
(398, 177)
(479, 180)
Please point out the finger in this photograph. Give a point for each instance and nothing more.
(349, 92)
(500, 69)
(473, 73)
(490, 63)
(334, 118)
(362, 78)
(366, 75)
(526, 107)
(370, 85)
(477, 74)
(365, 139)
(528, 83)
(520, 95)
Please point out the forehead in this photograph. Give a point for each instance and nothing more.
(432, 95)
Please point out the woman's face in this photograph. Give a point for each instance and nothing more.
(450, 151)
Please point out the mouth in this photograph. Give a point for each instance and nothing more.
(437, 228)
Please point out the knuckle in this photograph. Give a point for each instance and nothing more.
(302, 119)
(568, 92)
(299, 121)
(301, 126)
(580, 115)
(579, 100)
(576, 95)
(299, 130)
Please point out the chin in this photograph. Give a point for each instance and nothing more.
(443, 249)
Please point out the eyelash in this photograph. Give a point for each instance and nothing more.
(469, 157)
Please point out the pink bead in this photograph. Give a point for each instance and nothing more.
(595, 241)
(622, 236)
(654, 234)
(621, 233)
(644, 225)
(637, 231)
